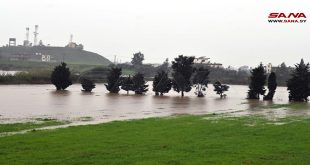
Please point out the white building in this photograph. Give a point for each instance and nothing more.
(268, 68)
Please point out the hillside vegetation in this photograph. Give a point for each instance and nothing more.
(58, 54)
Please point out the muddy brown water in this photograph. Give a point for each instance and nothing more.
(20, 103)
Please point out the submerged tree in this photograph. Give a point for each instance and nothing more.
(200, 81)
(114, 80)
(127, 84)
(220, 89)
(272, 86)
(139, 84)
(161, 83)
(182, 72)
(87, 84)
(299, 83)
(61, 77)
(258, 79)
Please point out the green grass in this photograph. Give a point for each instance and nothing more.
(14, 127)
(174, 140)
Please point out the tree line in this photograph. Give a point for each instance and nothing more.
(298, 85)
(185, 76)
(226, 75)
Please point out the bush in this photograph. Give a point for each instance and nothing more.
(127, 84)
(61, 77)
(258, 79)
(272, 86)
(182, 67)
(220, 89)
(87, 84)
(299, 84)
(161, 83)
(114, 80)
(200, 81)
(139, 84)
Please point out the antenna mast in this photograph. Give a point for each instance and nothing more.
(35, 39)
(27, 34)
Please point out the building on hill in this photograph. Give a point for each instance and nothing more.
(72, 44)
(75, 45)
(203, 60)
(37, 52)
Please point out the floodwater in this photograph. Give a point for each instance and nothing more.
(20, 103)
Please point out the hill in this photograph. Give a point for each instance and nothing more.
(46, 54)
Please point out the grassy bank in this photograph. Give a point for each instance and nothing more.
(179, 140)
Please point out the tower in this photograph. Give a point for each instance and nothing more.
(35, 39)
(27, 34)
(26, 42)
(70, 44)
(71, 38)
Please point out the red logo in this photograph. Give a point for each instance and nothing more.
(288, 15)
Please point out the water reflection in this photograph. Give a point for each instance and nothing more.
(60, 93)
(19, 102)
(87, 93)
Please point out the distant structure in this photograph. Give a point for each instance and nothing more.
(38, 52)
(71, 39)
(72, 44)
(26, 41)
(41, 43)
(244, 68)
(37, 42)
(35, 35)
(152, 64)
(12, 41)
(206, 61)
(268, 68)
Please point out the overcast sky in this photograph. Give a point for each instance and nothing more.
(232, 32)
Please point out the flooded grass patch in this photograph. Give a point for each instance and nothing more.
(38, 123)
(86, 118)
(292, 106)
(187, 139)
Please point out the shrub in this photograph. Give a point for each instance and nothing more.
(61, 77)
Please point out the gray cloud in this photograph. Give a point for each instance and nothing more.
(231, 32)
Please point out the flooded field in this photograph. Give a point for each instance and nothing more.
(25, 102)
